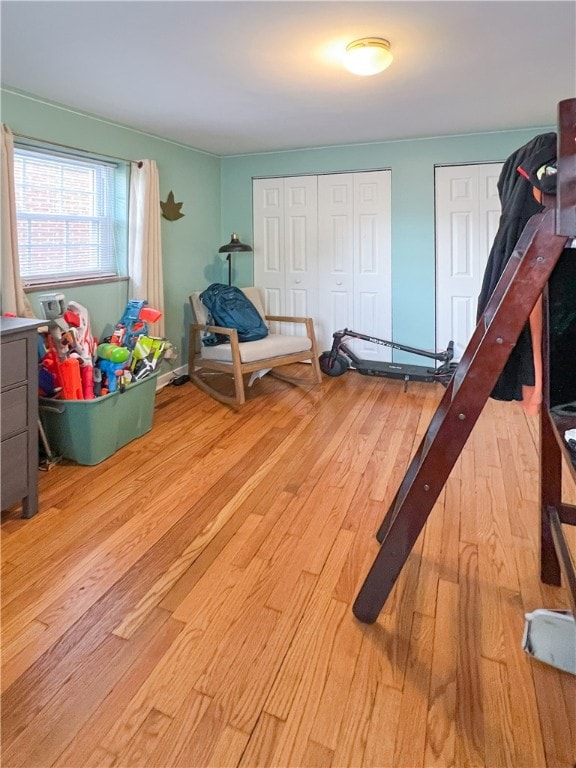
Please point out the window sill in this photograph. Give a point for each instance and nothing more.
(74, 283)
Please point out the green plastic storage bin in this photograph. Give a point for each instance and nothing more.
(89, 431)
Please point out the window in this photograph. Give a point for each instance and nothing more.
(72, 216)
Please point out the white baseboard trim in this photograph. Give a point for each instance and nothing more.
(166, 378)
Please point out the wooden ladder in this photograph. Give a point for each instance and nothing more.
(508, 310)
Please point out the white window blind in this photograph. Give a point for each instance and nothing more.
(66, 211)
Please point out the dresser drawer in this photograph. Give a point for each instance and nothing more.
(14, 359)
(14, 410)
(14, 456)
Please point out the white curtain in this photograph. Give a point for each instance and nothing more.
(144, 239)
(14, 299)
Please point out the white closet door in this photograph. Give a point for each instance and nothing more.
(268, 202)
(301, 245)
(335, 256)
(286, 246)
(372, 262)
(354, 259)
(467, 216)
(322, 249)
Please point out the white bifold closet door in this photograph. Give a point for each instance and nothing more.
(354, 258)
(286, 245)
(322, 248)
(467, 217)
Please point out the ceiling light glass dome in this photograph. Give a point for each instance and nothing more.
(368, 56)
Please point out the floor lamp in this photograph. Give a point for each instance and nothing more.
(234, 246)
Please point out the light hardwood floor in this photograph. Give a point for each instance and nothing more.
(188, 601)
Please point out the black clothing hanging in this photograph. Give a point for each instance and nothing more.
(518, 204)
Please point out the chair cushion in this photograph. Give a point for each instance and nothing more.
(274, 345)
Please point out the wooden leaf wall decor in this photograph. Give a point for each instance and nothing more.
(171, 209)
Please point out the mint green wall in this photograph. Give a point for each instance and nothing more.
(412, 165)
(189, 245)
(217, 197)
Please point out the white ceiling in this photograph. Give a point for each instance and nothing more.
(241, 77)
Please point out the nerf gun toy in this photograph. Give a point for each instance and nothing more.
(84, 345)
(112, 361)
(52, 305)
(70, 346)
(147, 352)
(133, 323)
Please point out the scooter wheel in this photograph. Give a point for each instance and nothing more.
(337, 368)
(445, 374)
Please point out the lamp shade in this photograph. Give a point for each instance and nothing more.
(368, 56)
(234, 245)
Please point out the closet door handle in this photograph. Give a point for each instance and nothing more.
(338, 282)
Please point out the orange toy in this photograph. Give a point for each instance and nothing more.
(71, 380)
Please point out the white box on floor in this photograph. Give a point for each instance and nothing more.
(550, 636)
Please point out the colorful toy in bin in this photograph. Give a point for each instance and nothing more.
(133, 323)
(147, 352)
(73, 366)
(112, 362)
(69, 351)
(110, 372)
(71, 379)
(113, 352)
(53, 309)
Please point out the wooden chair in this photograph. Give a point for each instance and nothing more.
(240, 358)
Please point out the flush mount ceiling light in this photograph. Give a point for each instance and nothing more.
(368, 56)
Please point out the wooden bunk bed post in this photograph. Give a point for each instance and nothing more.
(566, 187)
(555, 558)
(521, 284)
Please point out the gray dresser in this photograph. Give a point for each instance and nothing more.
(19, 413)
